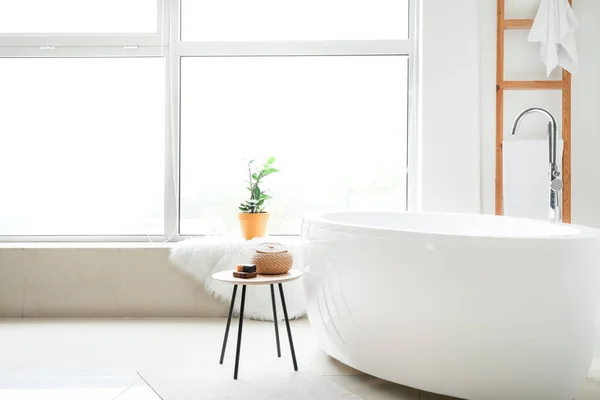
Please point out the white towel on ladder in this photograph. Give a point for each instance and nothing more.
(527, 177)
(554, 28)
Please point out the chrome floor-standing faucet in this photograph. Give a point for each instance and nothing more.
(556, 183)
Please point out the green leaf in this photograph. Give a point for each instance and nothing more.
(256, 193)
(266, 171)
(271, 160)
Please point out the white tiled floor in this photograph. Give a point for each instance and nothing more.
(99, 359)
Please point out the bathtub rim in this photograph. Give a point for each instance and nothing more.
(582, 232)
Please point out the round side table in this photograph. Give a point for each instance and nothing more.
(271, 280)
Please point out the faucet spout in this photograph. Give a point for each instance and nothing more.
(552, 129)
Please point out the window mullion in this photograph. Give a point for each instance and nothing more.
(172, 104)
(58, 51)
(19, 40)
(295, 48)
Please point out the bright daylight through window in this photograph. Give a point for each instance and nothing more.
(129, 119)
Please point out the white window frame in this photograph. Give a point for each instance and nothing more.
(166, 42)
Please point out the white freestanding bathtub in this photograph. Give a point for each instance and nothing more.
(472, 306)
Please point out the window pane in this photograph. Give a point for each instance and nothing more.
(294, 19)
(337, 126)
(78, 16)
(81, 146)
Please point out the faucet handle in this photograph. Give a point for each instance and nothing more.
(556, 184)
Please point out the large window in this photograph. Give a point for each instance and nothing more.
(82, 146)
(78, 16)
(324, 118)
(220, 20)
(131, 119)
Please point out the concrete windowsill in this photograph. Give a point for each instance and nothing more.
(86, 245)
(101, 280)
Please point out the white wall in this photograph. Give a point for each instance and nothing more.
(586, 117)
(450, 131)
(522, 63)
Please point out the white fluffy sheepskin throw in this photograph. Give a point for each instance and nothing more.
(200, 258)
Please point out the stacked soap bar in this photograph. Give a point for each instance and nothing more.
(245, 271)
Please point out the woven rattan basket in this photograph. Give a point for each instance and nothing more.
(272, 259)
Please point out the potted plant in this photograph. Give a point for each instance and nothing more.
(253, 217)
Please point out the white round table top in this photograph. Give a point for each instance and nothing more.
(227, 277)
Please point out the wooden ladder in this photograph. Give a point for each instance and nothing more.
(501, 85)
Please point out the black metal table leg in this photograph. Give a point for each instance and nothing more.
(228, 323)
(239, 341)
(275, 321)
(287, 324)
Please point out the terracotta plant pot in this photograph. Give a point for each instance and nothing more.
(253, 225)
